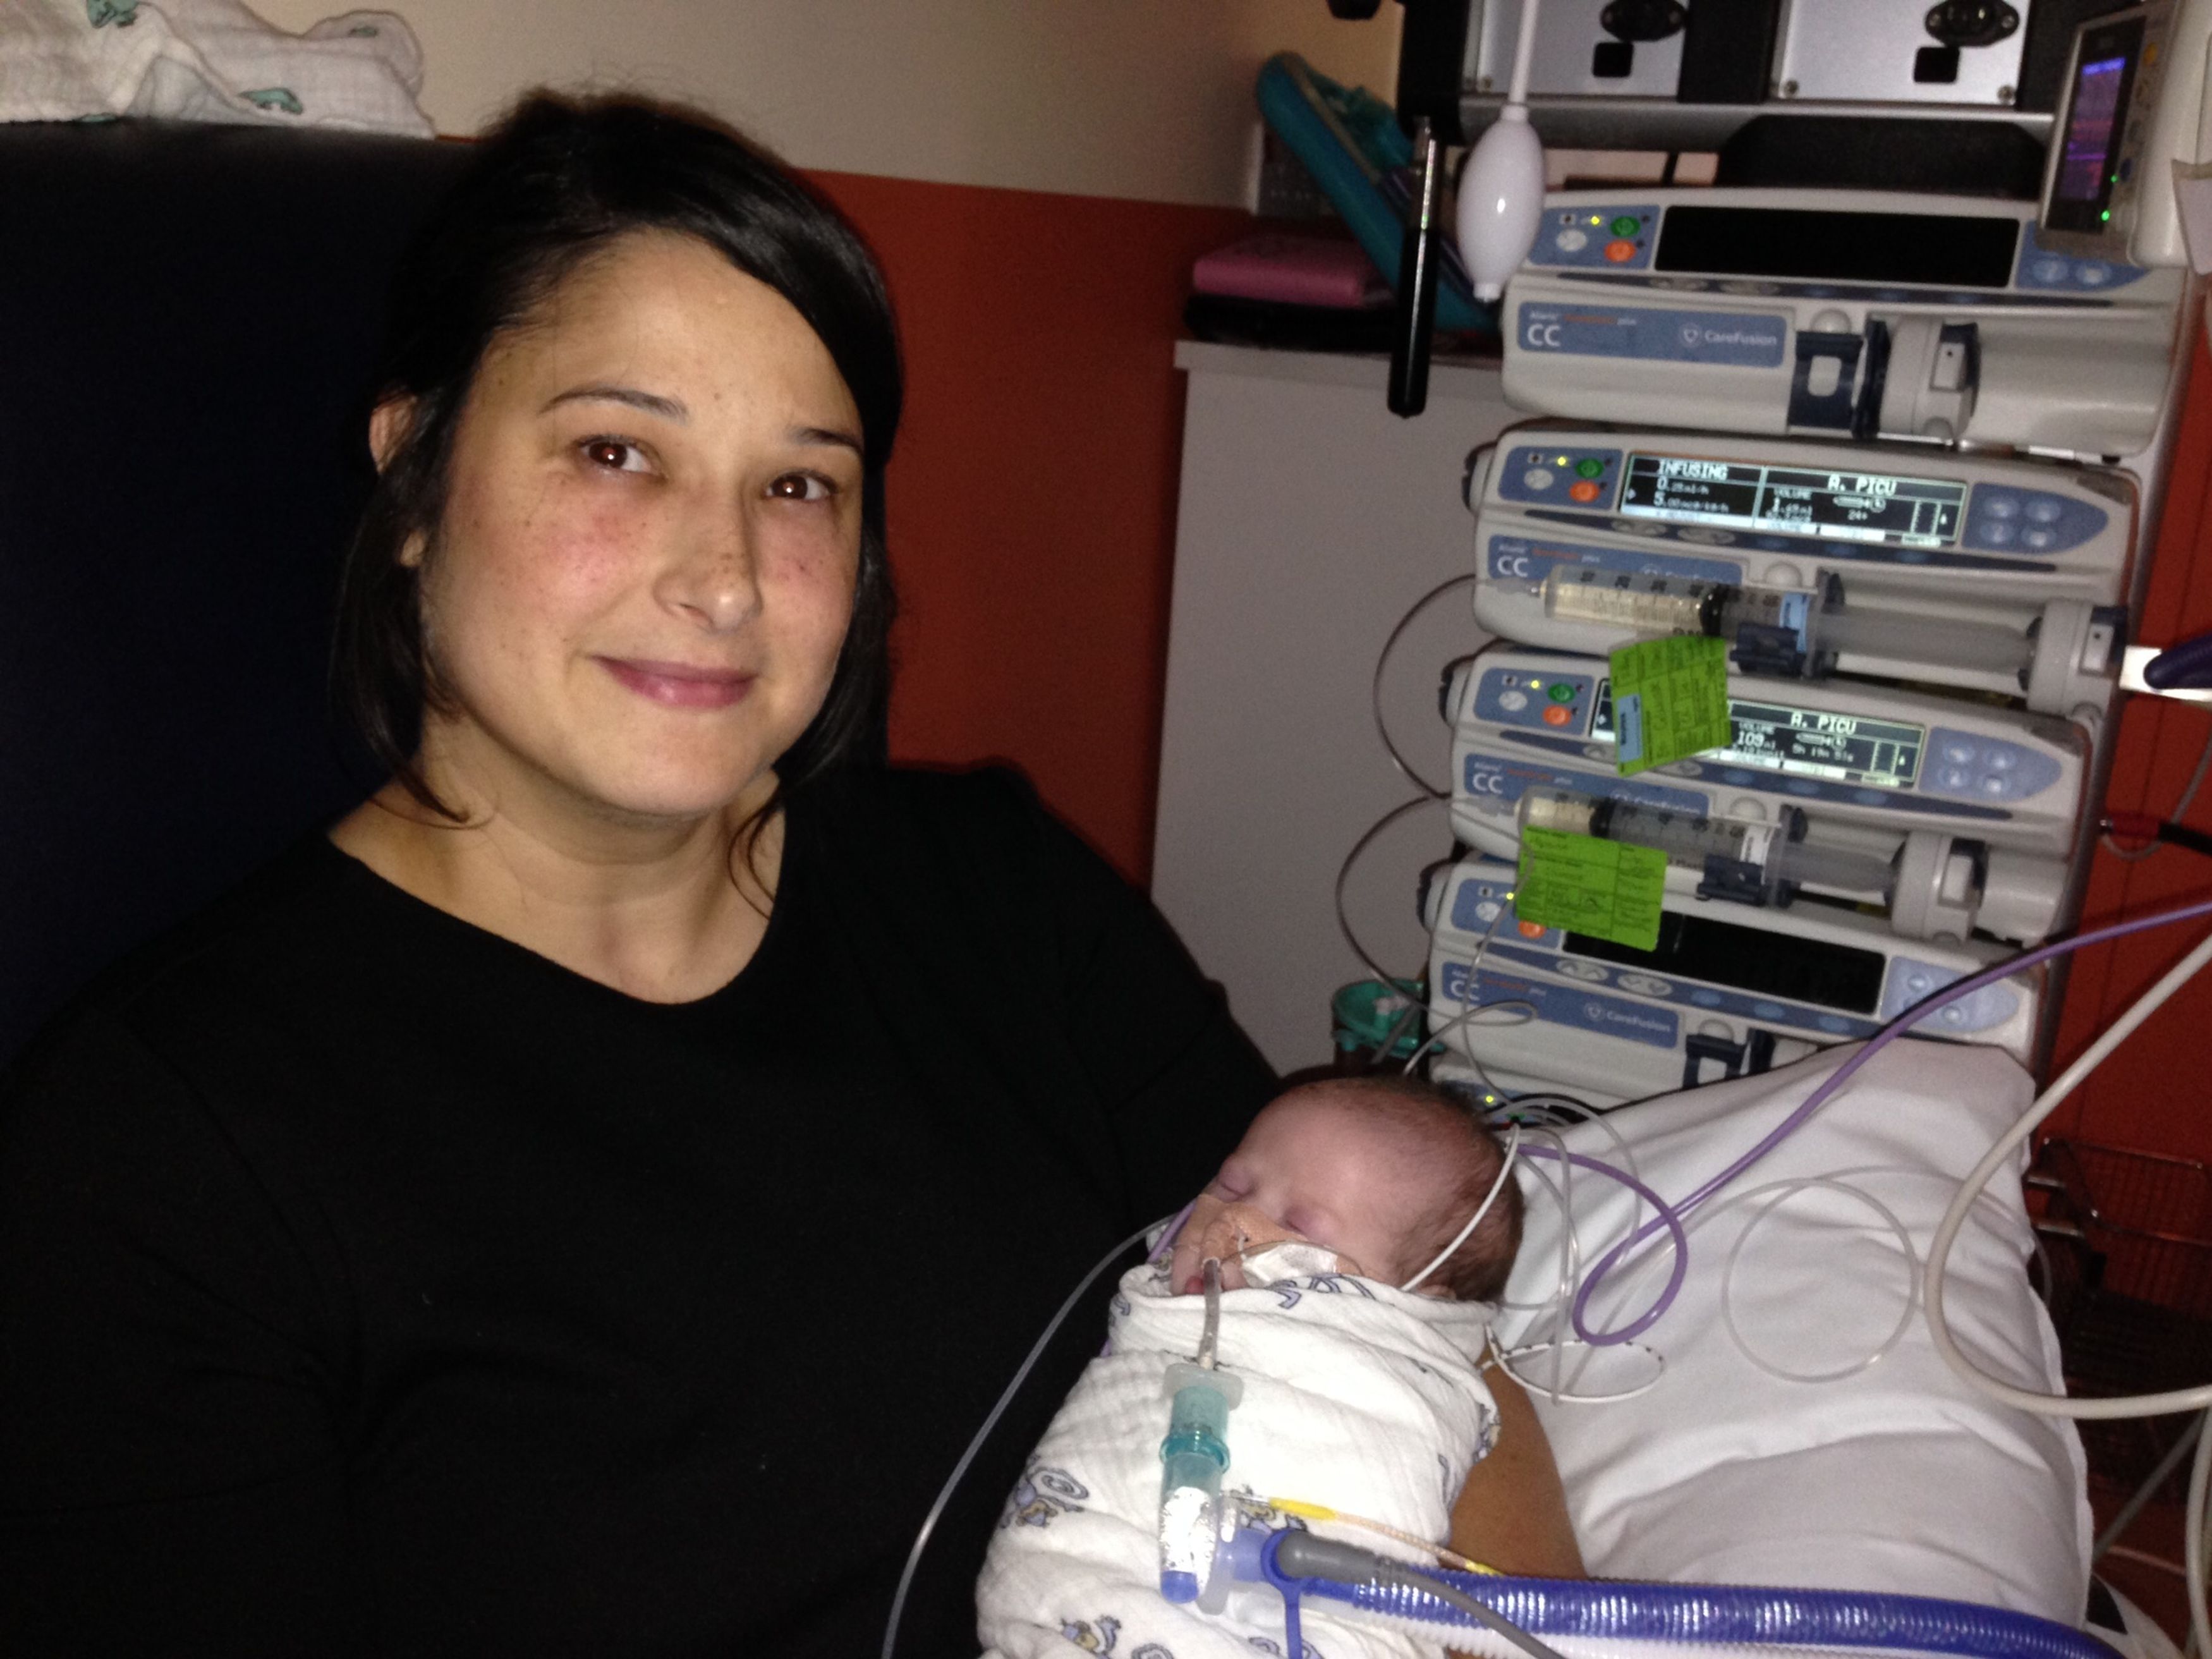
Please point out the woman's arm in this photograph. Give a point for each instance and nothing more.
(1513, 1512)
(170, 1479)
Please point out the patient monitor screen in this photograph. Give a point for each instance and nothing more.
(2096, 116)
(1859, 507)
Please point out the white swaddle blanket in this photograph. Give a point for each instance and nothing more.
(1356, 1396)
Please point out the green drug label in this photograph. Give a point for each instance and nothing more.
(1607, 889)
(1669, 701)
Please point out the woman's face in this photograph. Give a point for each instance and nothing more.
(637, 593)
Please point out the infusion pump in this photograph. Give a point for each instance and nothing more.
(1954, 568)
(1726, 990)
(1951, 815)
(1838, 315)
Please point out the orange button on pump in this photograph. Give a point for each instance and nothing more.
(1583, 490)
(1531, 929)
(1556, 713)
(1620, 250)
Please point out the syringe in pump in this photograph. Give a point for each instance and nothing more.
(1936, 885)
(2062, 663)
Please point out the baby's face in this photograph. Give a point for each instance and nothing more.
(1311, 1169)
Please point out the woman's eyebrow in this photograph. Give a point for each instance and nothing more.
(823, 435)
(652, 403)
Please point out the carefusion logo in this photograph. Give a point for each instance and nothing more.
(1699, 337)
(1625, 1019)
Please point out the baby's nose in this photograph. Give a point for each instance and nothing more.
(1239, 1227)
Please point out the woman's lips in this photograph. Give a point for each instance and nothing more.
(679, 686)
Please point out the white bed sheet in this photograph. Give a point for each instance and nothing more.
(1900, 1478)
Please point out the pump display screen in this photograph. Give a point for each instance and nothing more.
(1786, 965)
(1930, 250)
(1806, 742)
(1858, 507)
(2096, 116)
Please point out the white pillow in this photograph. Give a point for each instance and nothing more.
(1898, 1478)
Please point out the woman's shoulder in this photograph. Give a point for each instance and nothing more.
(258, 941)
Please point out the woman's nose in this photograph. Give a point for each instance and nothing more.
(715, 574)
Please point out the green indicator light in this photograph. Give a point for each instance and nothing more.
(1627, 225)
(1590, 466)
(2106, 216)
(1561, 692)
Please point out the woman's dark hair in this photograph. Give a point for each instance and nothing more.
(554, 183)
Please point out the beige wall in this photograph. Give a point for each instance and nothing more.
(1150, 99)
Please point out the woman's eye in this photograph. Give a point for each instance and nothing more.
(801, 486)
(616, 454)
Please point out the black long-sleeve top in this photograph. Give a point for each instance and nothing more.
(370, 1284)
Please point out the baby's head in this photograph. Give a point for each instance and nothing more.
(1382, 1170)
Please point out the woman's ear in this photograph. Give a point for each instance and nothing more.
(387, 424)
(387, 427)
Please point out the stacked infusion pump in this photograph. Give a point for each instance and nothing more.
(1892, 448)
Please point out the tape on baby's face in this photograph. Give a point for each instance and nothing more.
(1291, 1259)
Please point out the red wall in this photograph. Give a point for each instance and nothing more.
(2153, 1093)
(1032, 494)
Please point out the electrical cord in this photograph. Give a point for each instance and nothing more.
(1005, 1398)
(1833, 1083)
(1343, 873)
(2117, 1527)
(2180, 810)
(1375, 689)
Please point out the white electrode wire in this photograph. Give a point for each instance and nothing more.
(1504, 1174)
(2174, 814)
(1946, 1232)
(2192, 1544)
(1005, 1398)
(1344, 873)
(1524, 52)
(1563, 1284)
(1467, 1015)
(1783, 1191)
(1375, 687)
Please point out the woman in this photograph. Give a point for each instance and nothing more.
(587, 1201)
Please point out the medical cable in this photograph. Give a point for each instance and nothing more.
(1498, 1185)
(1946, 1230)
(974, 1445)
(1830, 1086)
(2178, 811)
(1305, 1556)
(1306, 1511)
(2192, 1544)
(1783, 1191)
(1374, 688)
(2117, 1528)
(1344, 873)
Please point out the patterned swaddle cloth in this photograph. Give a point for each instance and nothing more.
(1356, 1396)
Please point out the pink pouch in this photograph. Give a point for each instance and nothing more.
(1299, 271)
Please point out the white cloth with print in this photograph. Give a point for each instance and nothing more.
(1356, 1396)
(207, 60)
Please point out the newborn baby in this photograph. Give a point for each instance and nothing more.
(1357, 1394)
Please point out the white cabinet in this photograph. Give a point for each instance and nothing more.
(1310, 519)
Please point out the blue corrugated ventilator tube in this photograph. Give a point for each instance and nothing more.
(1299, 1563)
